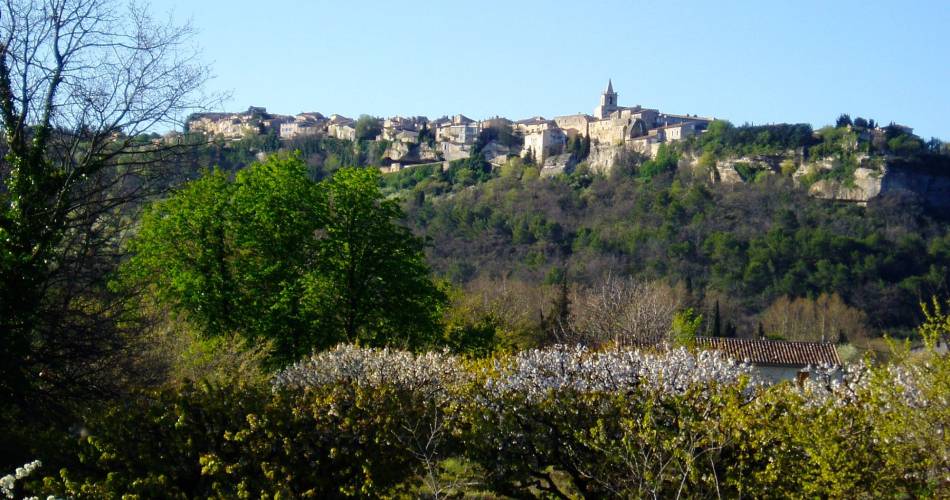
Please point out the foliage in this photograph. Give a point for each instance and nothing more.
(554, 422)
(234, 441)
(368, 127)
(80, 80)
(753, 242)
(723, 139)
(371, 280)
(232, 256)
(275, 256)
(936, 325)
(685, 327)
(623, 312)
(665, 160)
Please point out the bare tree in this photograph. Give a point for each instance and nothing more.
(624, 312)
(81, 81)
(825, 319)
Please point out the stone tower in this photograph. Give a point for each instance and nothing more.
(608, 102)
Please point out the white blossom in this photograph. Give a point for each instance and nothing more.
(673, 371)
(8, 482)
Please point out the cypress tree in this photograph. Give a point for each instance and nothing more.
(717, 321)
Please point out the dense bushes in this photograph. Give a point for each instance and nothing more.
(559, 421)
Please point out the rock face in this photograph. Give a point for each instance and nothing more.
(932, 185)
(496, 153)
(726, 173)
(867, 184)
(427, 153)
(603, 157)
(397, 151)
(554, 165)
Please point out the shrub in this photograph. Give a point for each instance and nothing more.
(562, 421)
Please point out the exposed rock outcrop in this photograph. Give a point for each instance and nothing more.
(397, 151)
(554, 165)
(866, 185)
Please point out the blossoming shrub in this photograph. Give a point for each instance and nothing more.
(604, 423)
(347, 422)
(554, 422)
(864, 432)
(8, 482)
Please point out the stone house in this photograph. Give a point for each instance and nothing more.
(678, 131)
(341, 127)
(459, 129)
(495, 122)
(533, 125)
(544, 143)
(411, 123)
(775, 360)
(397, 135)
(304, 124)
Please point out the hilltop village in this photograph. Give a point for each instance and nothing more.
(417, 139)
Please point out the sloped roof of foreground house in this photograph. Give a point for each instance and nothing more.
(773, 352)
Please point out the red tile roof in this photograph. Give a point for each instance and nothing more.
(773, 352)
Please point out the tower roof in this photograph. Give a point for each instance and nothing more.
(610, 86)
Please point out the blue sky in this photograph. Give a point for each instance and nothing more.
(760, 62)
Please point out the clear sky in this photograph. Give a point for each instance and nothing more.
(753, 61)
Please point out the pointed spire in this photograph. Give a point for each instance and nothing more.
(610, 86)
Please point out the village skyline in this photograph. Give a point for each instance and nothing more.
(746, 62)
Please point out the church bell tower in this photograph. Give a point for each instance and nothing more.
(608, 102)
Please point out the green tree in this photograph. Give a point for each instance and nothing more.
(273, 255)
(372, 282)
(717, 322)
(666, 160)
(367, 128)
(232, 256)
(685, 326)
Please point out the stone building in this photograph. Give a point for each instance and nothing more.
(574, 125)
(233, 126)
(459, 129)
(341, 127)
(304, 124)
(496, 122)
(544, 143)
(774, 360)
(608, 102)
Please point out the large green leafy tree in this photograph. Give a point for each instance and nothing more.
(272, 255)
(372, 279)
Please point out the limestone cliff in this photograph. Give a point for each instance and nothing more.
(928, 180)
(867, 184)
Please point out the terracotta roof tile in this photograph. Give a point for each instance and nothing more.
(773, 352)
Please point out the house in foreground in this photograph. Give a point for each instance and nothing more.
(775, 360)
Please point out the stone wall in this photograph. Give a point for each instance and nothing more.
(608, 132)
(573, 124)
